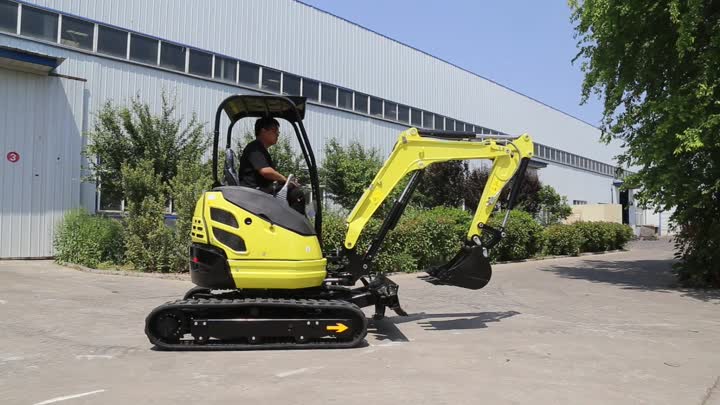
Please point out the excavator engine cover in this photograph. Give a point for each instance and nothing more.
(468, 269)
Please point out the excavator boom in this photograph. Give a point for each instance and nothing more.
(414, 152)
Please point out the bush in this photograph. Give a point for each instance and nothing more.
(601, 236)
(150, 244)
(88, 240)
(623, 235)
(523, 237)
(563, 240)
(422, 238)
(348, 171)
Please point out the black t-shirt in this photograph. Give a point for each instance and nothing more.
(254, 158)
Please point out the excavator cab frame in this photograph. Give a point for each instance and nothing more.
(290, 109)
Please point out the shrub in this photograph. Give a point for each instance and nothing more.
(88, 240)
(597, 236)
(348, 171)
(523, 236)
(422, 238)
(150, 244)
(562, 240)
(623, 234)
(553, 207)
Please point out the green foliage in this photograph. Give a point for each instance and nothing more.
(581, 237)
(563, 239)
(348, 171)
(421, 239)
(129, 135)
(88, 240)
(523, 236)
(597, 236)
(553, 208)
(150, 245)
(527, 198)
(443, 184)
(657, 67)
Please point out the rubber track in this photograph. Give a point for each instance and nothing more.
(207, 305)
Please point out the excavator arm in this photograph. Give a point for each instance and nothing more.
(414, 152)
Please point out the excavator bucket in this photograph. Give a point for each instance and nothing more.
(468, 269)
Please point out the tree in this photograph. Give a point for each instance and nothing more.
(657, 67)
(552, 207)
(443, 184)
(348, 171)
(130, 135)
(527, 199)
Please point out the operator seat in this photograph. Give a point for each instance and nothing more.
(231, 178)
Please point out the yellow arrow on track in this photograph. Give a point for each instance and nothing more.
(338, 327)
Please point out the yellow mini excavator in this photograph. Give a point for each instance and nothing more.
(262, 279)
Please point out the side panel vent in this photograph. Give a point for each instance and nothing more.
(224, 217)
(234, 242)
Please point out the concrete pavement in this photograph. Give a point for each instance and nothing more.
(591, 330)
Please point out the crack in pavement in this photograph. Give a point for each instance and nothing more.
(709, 393)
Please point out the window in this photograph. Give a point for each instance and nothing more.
(403, 113)
(39, 24)
(311, 89)
(439, 122)
(112, 42)
(470, 128)
(249, 74)
(270, 80)
(536, 149)
(345, 98)
(291, 85)
(579, 202)
(171, 56)
(428, 120)
(200, 63)
(451, 125)
(8, 16)
(329, 95)
(225, 69)
(390, 110)
(77, 33)
(376, 107)
(143, 49)
(361, 103)
(416, 118)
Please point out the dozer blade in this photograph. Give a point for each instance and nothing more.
(468, 269)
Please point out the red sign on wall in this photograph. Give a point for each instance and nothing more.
(13, 157)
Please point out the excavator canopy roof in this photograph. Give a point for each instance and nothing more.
(240, 106)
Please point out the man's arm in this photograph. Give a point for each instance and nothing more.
(272, 174)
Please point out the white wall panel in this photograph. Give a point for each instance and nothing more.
(300, 39)
(42, 119)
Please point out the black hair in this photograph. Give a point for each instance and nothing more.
(265, 123)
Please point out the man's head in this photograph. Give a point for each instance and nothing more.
(267, 130)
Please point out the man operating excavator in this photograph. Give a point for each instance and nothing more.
(257, 169)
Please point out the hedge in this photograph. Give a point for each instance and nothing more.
(89, 240)
(586, 237)
(523, 237)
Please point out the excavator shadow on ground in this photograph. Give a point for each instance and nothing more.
(387, 328)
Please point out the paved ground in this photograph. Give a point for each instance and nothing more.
(589, 330)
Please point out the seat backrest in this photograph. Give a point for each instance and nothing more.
(229, 170)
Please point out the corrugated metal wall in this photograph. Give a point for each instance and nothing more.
(296, 38)
(42, 118)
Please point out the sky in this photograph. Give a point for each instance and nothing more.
(525, 45)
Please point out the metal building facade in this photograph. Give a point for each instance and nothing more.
(298, 39)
